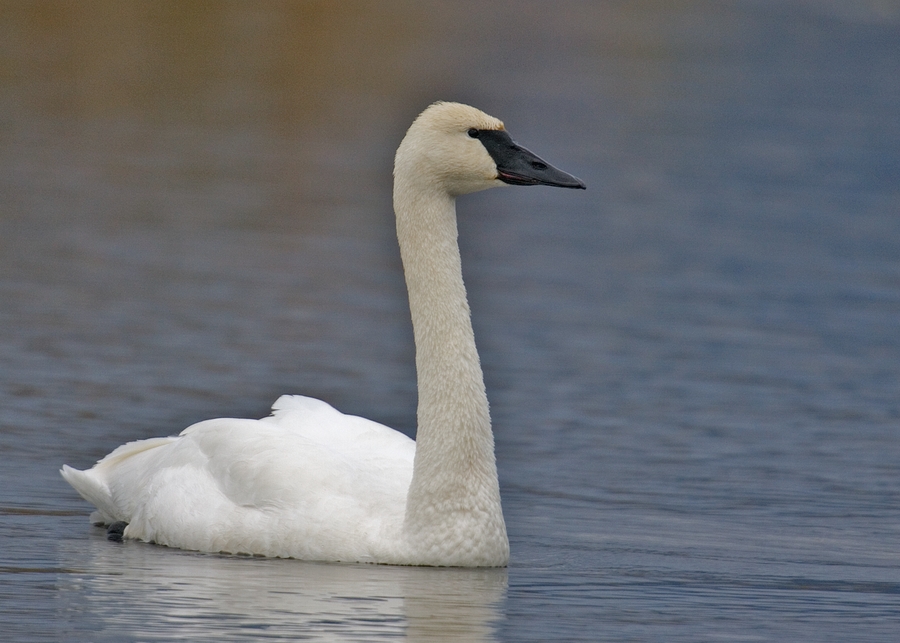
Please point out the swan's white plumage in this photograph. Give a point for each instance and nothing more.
(310, 482)
(222, 485)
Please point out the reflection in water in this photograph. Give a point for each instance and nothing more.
(159, 593)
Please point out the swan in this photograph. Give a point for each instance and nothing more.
(312, 483)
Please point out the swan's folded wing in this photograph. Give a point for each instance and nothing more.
(308, 482)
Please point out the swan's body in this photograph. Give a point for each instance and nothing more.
(310, 482)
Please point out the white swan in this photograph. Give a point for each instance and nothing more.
(312, 483)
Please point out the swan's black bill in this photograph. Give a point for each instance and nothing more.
(518, 166)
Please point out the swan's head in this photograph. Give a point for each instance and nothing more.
(459, 149)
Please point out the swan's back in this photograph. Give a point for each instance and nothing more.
(307, 482)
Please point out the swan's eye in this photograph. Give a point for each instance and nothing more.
(473, 133)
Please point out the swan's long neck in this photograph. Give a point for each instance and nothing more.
(453, 503)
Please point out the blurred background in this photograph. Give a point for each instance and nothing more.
(693, 366)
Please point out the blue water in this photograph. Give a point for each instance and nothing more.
(693, 366)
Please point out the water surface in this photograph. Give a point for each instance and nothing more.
(693, 366)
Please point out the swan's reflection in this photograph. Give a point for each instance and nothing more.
(155, 593)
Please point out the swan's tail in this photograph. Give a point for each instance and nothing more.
(93, 484)
(89, 485)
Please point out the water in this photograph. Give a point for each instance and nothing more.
(694, 366)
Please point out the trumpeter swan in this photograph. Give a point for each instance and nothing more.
(312, 483)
